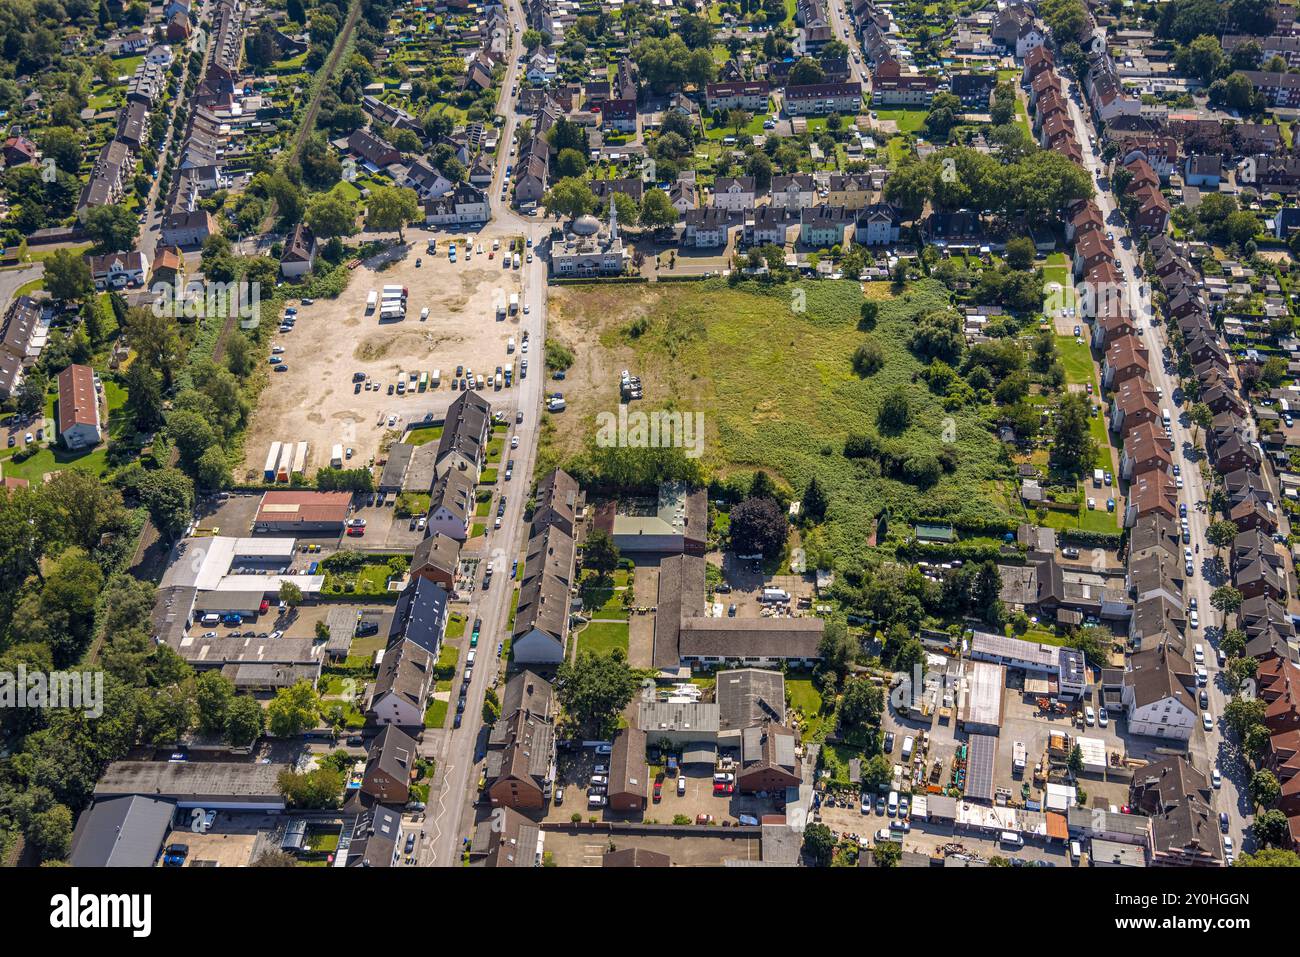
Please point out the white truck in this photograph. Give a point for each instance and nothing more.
(336, 456)
(435, 378)
(1018, 759)
(371, 301)
(501, 311)
(514, 303)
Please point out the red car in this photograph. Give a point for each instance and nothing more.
(721, 788)
(264, 606)
(356, 531)
(658, 792)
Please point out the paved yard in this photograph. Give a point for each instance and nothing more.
(586, 849)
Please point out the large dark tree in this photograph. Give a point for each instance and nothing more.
(758, 527)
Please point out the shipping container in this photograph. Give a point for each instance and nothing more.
(284, 467)
(272, 458)
(436, 378)
(371, 301)
(300, 459)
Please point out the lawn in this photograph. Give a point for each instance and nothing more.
(602, 637)
(424, 434)
(772, 374)
(909, 121)
(436, 714)
(804, 695)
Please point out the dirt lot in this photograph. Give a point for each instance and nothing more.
(316, 399)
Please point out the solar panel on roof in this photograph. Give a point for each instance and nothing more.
(979, 767)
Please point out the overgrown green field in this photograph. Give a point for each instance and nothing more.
(770, 367)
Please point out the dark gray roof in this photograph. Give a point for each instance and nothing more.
(123, 831)
(421, 615)
(749, 696)
(468, 420)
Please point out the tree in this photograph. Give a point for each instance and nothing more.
(1233, 642)
(1226, 598)
(818, 844)
(815, 501)
(569, 197)
(595, 688)
(836, 652)
(895, 413)
(331, 214)
(657, 209)
(1221, 534)
(245, 721)
(1073, 448)
(1242, 714)
(877, 773)
(391, 208)
(860, 712)
(293, 710)
(156, 339)
(1269, 857)
(50, 832)
(570, 162)
(1264, 788)
(1271, 829)
(113, 228)
(1203, 58)
(1020, 252)
(192, 435)
(758, 527)
(985, 592)
(290, 594)
(168, 495)
(887, 853)
(67, 276)
(320, 788)
(600, 553)
(1075, 761)
(213, 694)
(869, 357)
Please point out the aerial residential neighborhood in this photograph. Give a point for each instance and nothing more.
(671, 433)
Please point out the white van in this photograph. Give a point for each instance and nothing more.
(469, 658)
(1199, 653)
(1164, 414)
(1011, 838)
(908, 744)
(210, 619)
(893, 803)
(1076, 851)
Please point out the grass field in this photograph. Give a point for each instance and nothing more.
(772, 374)
(602, 637)
(909, 121)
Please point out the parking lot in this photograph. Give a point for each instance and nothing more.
(576, 768)
(316, 399)
(587, 849)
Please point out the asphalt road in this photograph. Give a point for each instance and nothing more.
(1212, 748)
(459, 752)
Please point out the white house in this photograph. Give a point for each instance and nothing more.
(733, 192)
(793, 192)
(451, 505)
(118, 270)
(1158, 694)
(428, 183)
(299, 252)
(79, 425)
